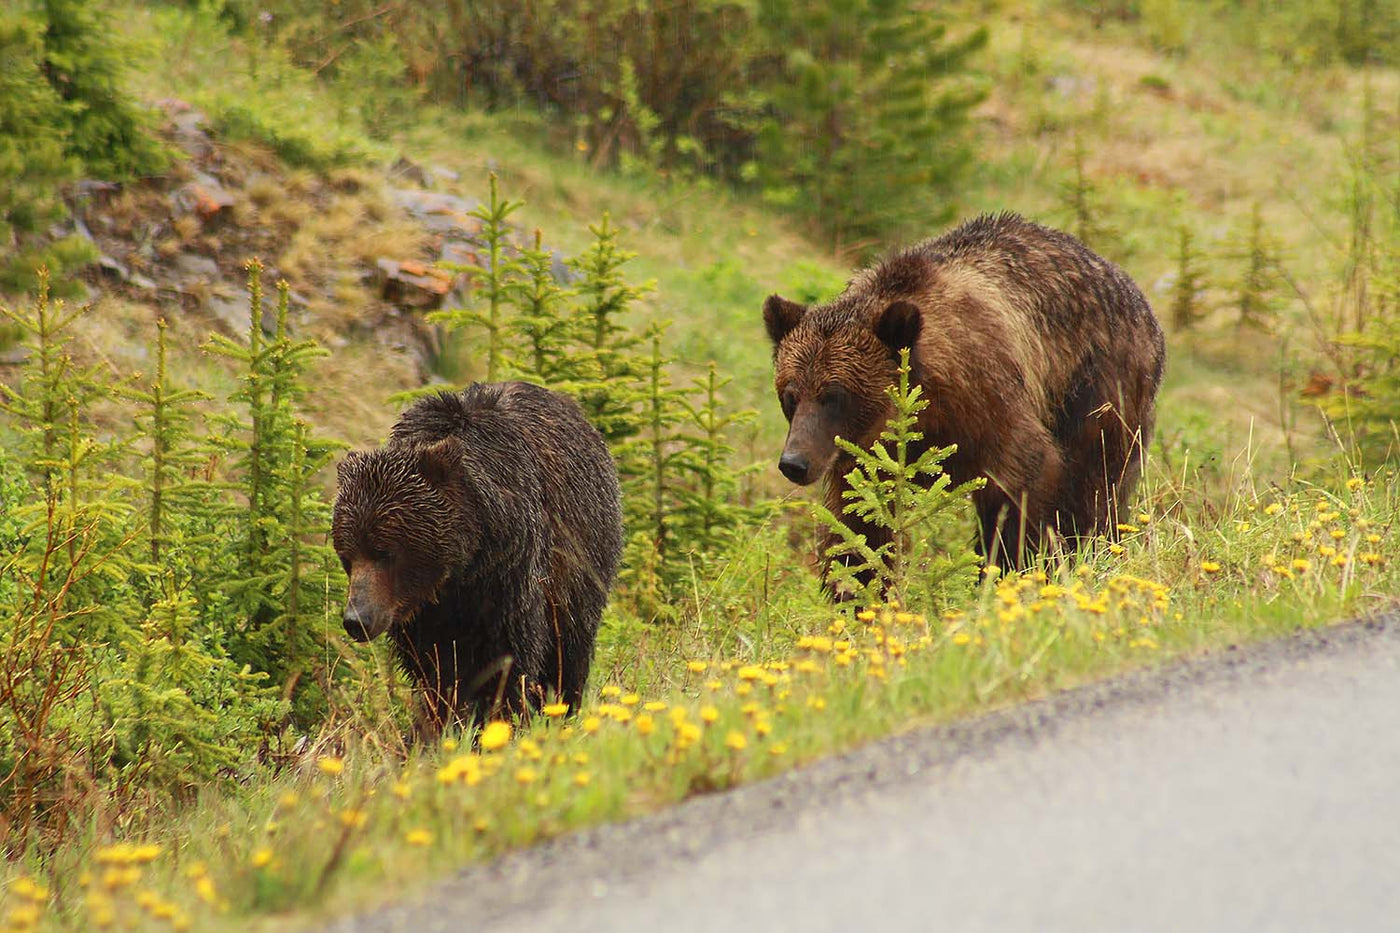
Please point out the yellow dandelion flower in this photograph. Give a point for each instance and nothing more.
(750, 672)
(735, 740)
(330, 765)
(261, 858)
(1209, 566)
(204, 889)
(1117, 550)
(1302, 565)
(449, 745)
(582, 778)
(714, 686)
(1355, 483)
(554, 710)
(630, 699)
(1126, 528)
(288, 800)
(743, 689)
(1337, 534)
(28, 889)
(1371, 558)
(709, 713)
(1373, 539)
(696, 667)
(494, 736)
(777, 749)
(679, 714)
(655, 706)
(1326, 550)
(353, 819)
(816, 703)
(961, 638)
(529, 749)
(23, 917)
(418, 837)
(1273, 508)
(866, 615)
(687, 734)
(591, 725)
(611, 690)
(1339, 561)
(762, 727)
(526, 776)
(645, 724)
(1143, 518)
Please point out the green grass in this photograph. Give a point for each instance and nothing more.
(350, 821)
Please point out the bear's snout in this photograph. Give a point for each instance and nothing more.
(363, 620)
(796, 467)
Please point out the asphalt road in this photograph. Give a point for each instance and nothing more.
(1256, 790)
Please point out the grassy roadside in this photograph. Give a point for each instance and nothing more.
(353, 822)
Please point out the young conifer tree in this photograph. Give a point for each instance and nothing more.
(909, 498)
(611, 387)
(1186, 308)
(163, 425)
(493, 280)
(274, 460)
(544, 332)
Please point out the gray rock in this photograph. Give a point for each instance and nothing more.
(439, 212)
(113, 268)
(412, 284)
(190, 269)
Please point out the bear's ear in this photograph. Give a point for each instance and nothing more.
(441, 462)
(346, 468)
(780, 316)
(899, 324)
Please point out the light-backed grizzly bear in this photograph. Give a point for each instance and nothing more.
(483, 537)
(1039, 359)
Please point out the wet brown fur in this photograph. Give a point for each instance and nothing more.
(483, 538)
(1040, 360)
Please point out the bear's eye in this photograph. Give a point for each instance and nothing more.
(788, 399)
(833, 397)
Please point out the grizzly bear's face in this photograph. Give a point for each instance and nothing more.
(831, 372)
(400, 528)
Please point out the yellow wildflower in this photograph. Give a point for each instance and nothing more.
(418, 837)
(611, 690)
(525, 776)
(582, 778)
(736, 741)
(494, 736)
(696, 667)
(1209, 566)
(261, 858)
(330, 765)
(630, 699)
(554, 710)
(645, 725)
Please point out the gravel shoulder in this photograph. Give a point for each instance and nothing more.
(1252, 789)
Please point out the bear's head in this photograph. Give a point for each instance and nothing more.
(402, 523)
(832, 369)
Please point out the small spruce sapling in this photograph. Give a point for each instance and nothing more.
(493, 280)
(913, 501)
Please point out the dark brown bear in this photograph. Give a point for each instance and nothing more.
(1039, 359)
(484, 537)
